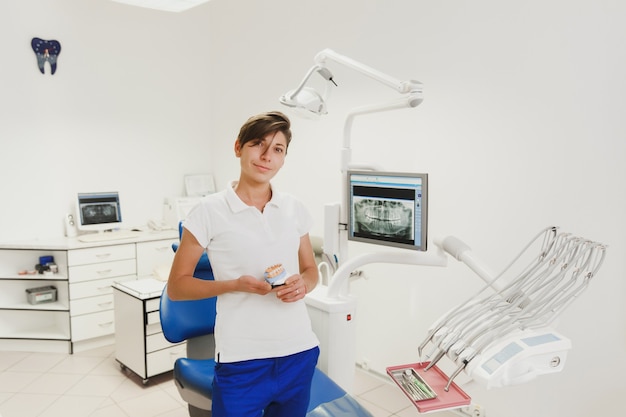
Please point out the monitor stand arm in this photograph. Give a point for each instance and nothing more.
(338, 285)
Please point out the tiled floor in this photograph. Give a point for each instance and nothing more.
(92, 384)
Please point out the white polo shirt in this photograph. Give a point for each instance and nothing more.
(241, 240)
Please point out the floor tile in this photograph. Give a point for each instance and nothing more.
(77, 364)
(98, 385)
(16, 381)
(9, 359)
(92, 384)
(73, 406)
(180, 412)
(129, 389)
(387, 397)
(38, 362)
(112, 410)
(52, 384)
(27, 405)
(109, 366)
(149, 405)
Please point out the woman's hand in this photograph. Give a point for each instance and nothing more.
(293, 290)
(248, 283)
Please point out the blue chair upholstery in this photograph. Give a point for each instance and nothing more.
(194, 321)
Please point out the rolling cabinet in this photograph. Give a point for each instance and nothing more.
(139, 342)
(82, 316)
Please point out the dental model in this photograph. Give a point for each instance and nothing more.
(275, 275)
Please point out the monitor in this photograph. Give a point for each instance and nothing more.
(388, 208)
(99, 211)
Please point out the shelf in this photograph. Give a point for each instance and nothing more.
(34, 277)
(14, 260)
(48, 325)
(13, 295)
(55, 306)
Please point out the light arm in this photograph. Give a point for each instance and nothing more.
(402, 87)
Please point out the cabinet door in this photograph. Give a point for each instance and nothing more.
(154, 256)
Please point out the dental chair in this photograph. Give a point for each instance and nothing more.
(194, 321)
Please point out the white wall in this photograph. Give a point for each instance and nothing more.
(521, 128)
(127, 110)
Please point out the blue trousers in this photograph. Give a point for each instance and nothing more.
(272, 387)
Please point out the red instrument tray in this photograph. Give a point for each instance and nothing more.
(437, 380)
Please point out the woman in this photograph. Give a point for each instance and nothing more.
(266, 351)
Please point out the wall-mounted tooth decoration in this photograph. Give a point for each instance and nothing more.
(46, 51)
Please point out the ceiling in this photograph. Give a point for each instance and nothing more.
(165, 5)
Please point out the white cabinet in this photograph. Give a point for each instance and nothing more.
(82, 316)
(92, 272)
(139, 342)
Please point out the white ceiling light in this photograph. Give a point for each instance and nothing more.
(165, 5)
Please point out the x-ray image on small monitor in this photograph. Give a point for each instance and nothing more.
(388, 208)
(99, 211)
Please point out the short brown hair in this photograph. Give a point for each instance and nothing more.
(259, 126)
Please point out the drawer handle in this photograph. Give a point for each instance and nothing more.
(107, 324)
(105, 304)
(106, 287)
(163, 249)
(104, 272)
(103, 255)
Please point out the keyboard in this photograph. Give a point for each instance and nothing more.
(106, 236)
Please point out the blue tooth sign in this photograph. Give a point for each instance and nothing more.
(46, 51)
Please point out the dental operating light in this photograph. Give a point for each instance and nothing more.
(308, 99)
(309, 102)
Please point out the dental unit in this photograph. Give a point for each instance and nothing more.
(500, 336)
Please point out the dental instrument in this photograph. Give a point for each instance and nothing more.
(514, 310)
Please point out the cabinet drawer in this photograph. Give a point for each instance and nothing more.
(153, 318)
(95, 288)
(102, 270)
(163, 360)
(156, 342)
(154, 328)
(93, 325)
(151, 255)
(91, 304)
(153, 304)
(100, 254)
